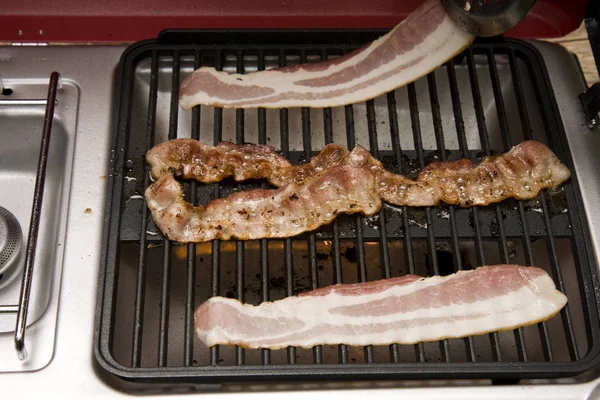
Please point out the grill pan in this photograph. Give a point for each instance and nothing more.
(492, 96)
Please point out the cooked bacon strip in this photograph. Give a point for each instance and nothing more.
(423, 41)
(520, 173)
(191, 159)
(404, 310)
(263, 213)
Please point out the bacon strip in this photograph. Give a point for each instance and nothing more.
(521, 173)
(415, 47)
(191, 159)
(404, 310)
(263, 213)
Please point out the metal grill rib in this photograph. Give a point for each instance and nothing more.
(239, 245)
(335, 243)
(312, 244)
(136, 353)
(216, 249)
(191, 249)
(494, 339)
(408, 250)
(557, 273)
(166, 277)
(386, 270)
(502, 119)
(358, 220)
(288, 258)
(264, 250)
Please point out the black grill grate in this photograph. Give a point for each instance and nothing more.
(484, 101)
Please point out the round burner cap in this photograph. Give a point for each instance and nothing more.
(11, 240)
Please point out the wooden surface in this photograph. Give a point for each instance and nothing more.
(578, 43)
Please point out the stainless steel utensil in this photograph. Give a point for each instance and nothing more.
(487, 17)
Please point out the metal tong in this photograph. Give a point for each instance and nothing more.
(487, 17)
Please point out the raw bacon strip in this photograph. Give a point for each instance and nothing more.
(423, 41)
(521, 173)
(263, 213)
(403, 310)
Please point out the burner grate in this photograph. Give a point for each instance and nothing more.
(491, 97)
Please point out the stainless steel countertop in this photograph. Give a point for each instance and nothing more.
(72, 372)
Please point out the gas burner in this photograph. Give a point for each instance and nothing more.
(11, 242)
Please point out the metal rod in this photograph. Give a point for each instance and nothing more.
(288, 258)
(34, 225)
(163, 333)
(408, 249)
(441, 146)
(312, 246)
(565, 313)
(460, 131)
(314, 282)
(240, 355)
(23, 102)
(480, 116)
(9, 309)
(503, 121)
(437, 127)
(188, 351)
(264, 246)
(521, 103)
(431, 244)
(386, 271)
(138, 321)
(289, 275)
(557, 273)
(215, 282)
(358, 221)
(416, 130)
(335, 243)
(216, 244)
(163, 338)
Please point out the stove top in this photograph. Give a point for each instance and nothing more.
(72, 372)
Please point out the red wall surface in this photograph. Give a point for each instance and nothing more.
(127, 21)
